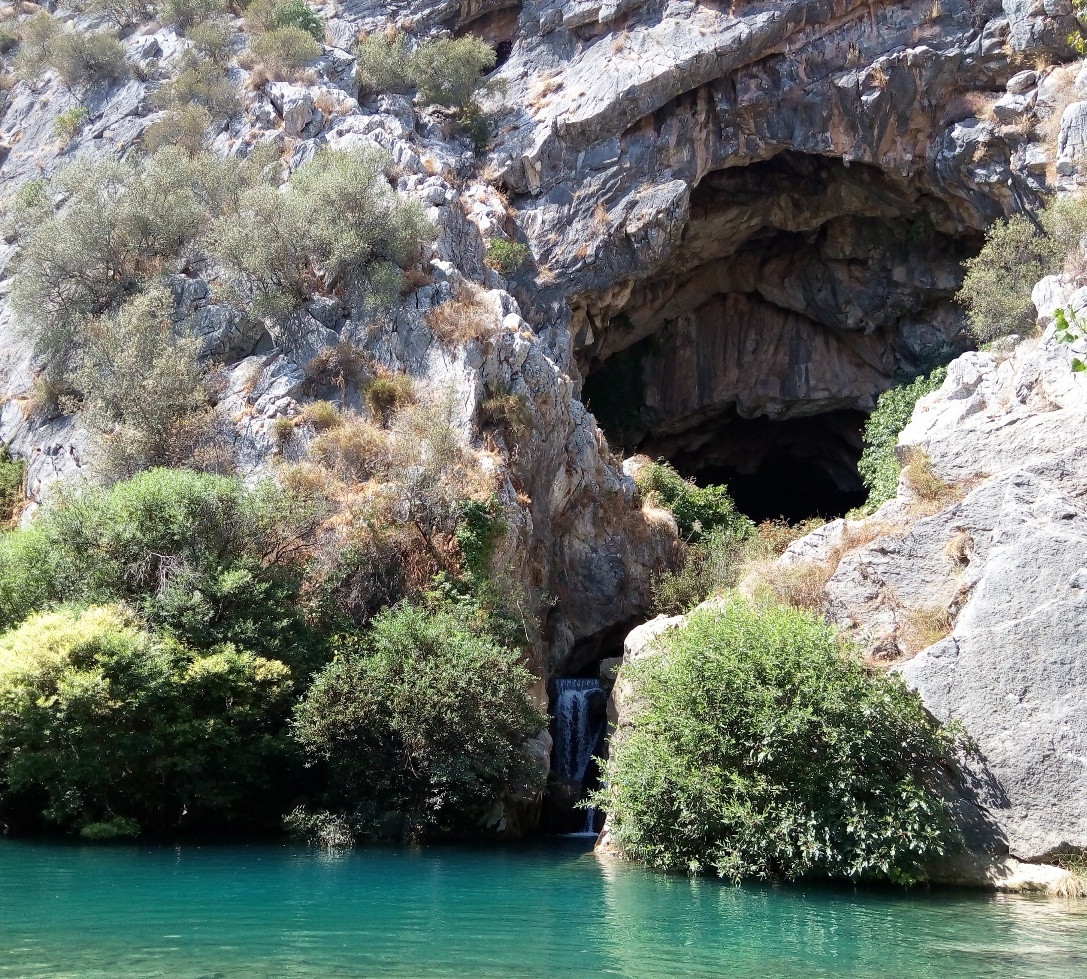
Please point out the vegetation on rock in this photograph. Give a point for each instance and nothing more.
(420, 725)
(879, 467)
(699, 510)
(110, 729)
(761, 746)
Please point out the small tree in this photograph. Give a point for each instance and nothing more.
(145, 399)
(338, 228)
(421, 727)
(762, 747)
(109, 729)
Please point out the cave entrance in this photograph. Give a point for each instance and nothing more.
(794, 469)
(801, 288)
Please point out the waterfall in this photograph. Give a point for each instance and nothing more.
(578, 725)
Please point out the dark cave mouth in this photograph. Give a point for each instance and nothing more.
(801, 288)
(794, 469)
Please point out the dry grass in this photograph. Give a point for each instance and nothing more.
(415, 279)
(1074, 883)
(922, 627)
(465, 317)
(282, 429)
(978, 105)
(355, 449)
(803, 584)
(388, 394)
(337, 366)
(931, 493)
(322, 415)
(958, 550)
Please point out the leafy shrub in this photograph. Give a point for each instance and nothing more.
(879, 466)
(698, 509)
(421, 728)
(12, 485)
(761, 747)
(339, 225)
(185, 14)
(448, 71)
(266, 16)
(156, 211)
(1017, 253)
(67, 125)
(509, 411)
(186, 128)
(285, 49)
(204, 557)
(506, 256)
(104, 724)
(322, 415)
(708, 566)
(124, 13)
(211, 39)
(145, 400)
(384, 62)
(79, 58)
(200, 82)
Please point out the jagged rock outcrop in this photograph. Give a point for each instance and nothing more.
(764, 206)
(981, 605)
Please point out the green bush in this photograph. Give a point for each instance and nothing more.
(265, 16)
(879, 466)
(185, 128)
(106, 727)
(698, 509)
(145, 400)
(384, 62)
(12, 485)
(67, 125)
(185, 14)
(449, 71)
(284, 49)
(203, 557)
(156, 211)
(708, 566)
(506, 256)
(1017, 253)
(79, 58)
(200, 82)
(446, 71)
(338, 226)
(761, 747)
(421, 728)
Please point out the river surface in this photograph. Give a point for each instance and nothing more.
(540, 913)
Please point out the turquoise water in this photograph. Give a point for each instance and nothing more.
(539, 913)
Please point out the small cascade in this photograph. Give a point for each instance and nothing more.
(579, 723)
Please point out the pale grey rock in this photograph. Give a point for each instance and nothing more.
(1021, 82)
(1072, 142)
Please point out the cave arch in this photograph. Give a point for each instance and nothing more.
(801, 288)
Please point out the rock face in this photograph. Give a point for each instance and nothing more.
(981, 605)
(765, 206)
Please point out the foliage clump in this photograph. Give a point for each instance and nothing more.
(12, 485)
(879, 466)
(339, 226)
(1017, 253)
(420, 726)
(79, 58)
(698, 510)
(109, 729)
(203, 557)
(762, 747)
(506, 256)
(444, 71)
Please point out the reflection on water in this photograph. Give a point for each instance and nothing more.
(538, 913)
